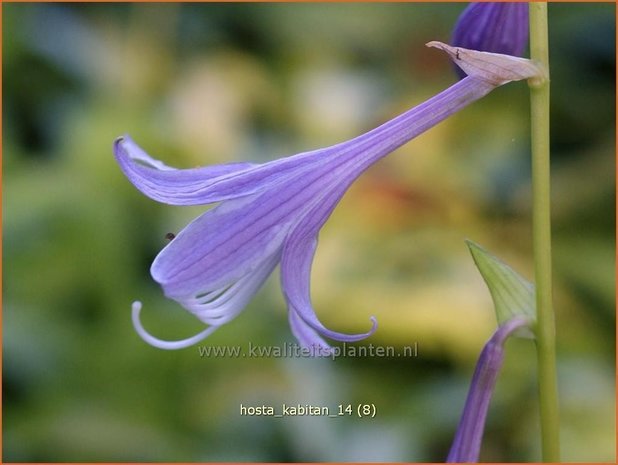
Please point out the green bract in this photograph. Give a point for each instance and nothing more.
(512, 294)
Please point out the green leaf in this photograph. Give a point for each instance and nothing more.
(512, 294)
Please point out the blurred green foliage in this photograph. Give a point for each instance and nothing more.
(198, 84)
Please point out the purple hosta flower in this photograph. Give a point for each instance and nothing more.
(492, 27)
(271, 213)
(467, 442)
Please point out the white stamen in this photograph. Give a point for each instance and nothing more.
(136, 308)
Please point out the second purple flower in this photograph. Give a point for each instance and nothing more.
(498, 27)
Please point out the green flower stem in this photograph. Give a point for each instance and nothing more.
(541, 232)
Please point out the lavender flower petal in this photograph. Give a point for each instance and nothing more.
(203, 185)
(467, 443)
(217, 249)
(492, 27)
(222, 305)
(273, 212)
(297, 259)
(295, 277)
(307, 336)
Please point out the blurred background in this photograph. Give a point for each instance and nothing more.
(211, 83)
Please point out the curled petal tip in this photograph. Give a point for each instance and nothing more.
(122, 139)
(374, 325)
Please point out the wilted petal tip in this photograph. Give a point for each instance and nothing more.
(495, 68)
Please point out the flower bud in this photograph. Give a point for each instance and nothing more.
(492, 27)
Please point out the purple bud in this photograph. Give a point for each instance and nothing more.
(467, 443)
(492, 27)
